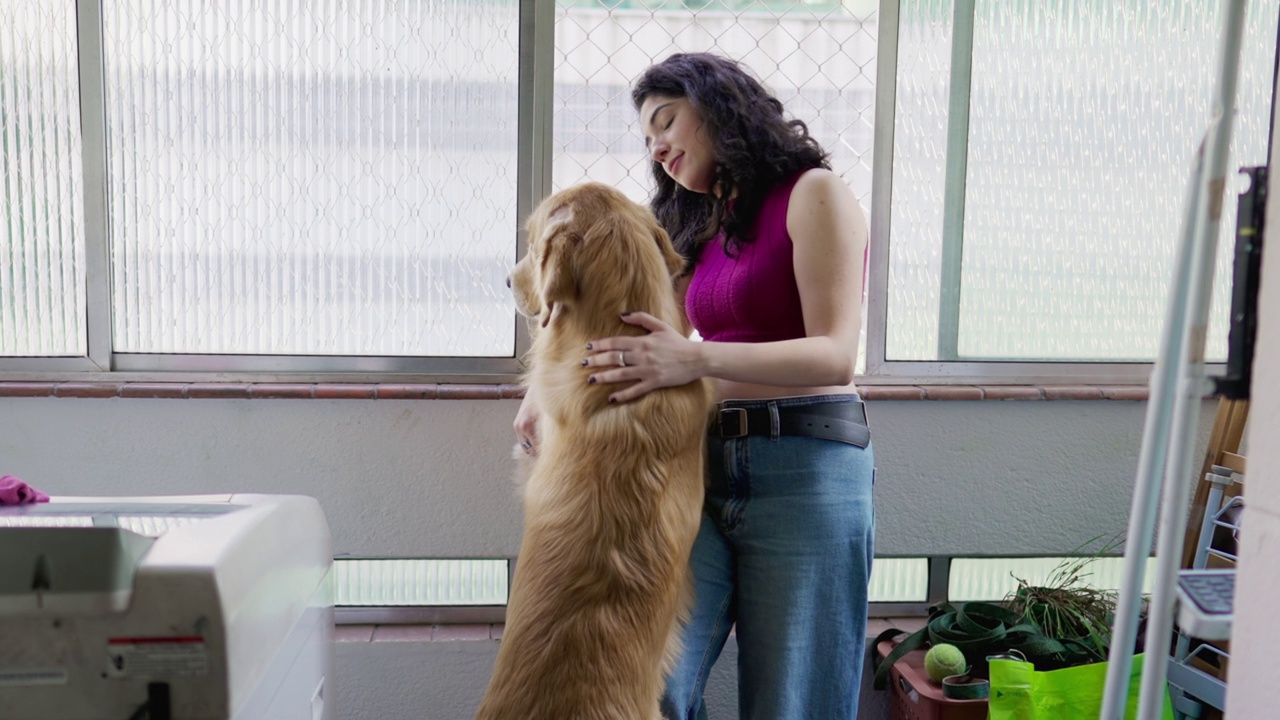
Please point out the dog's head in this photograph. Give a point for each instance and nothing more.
(591, 242)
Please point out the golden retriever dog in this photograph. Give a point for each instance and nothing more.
(614, 496)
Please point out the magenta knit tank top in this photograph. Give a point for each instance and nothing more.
(752, 296)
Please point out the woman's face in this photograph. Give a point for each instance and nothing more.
(676, 136)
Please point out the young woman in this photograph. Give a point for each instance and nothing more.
(776, 246)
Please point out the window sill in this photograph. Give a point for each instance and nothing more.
(485, 632)
(444, 391)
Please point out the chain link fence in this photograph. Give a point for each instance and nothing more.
(819, 58)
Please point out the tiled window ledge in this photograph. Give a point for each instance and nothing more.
(244, 391)
(434, 391)
(476, 632)
(471, 632)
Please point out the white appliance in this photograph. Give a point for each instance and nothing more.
(190, 607)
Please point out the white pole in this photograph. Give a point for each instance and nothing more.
(1192, 385)
(1177, 380)
(1155, 446)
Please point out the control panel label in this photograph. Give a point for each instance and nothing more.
(156, 657)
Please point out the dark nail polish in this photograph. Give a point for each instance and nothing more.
(613, 400)
(584, 362)
(588, 346)
(591, 380)
(626, 313)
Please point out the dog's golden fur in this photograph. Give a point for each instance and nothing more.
(614, 496)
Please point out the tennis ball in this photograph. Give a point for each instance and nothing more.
(943, 660)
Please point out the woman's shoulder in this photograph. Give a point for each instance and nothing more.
(817, 188)
(799, 185)
(821, 198)
(818, 180)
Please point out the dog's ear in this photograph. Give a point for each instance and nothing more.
(559, 283)
(675, 263)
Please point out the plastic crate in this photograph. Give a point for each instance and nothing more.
(915, 697)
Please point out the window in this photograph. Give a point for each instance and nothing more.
(1082, 119)
(42, 252)
(314, 181)
(291, 187)
(1048, 232)
(311, 178)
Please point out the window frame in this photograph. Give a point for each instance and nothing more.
(535, 149)
(533, 132)
(881, 370)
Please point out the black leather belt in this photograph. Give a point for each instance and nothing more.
(844, 422)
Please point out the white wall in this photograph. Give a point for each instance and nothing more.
(432, 478)
(412, 478)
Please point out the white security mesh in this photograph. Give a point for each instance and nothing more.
(1084, 117)
(410, 582)
(42, 267)
(338, 177)
(991, 579)
(818, 58)
(328, 177)
(899, 580)
(427, 583)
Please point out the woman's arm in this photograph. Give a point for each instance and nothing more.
(830, 236)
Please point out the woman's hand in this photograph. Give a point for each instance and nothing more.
(663, 358)
(526, 424)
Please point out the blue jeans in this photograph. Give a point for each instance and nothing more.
(784, 552)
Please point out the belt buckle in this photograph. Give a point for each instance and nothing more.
(735, 427)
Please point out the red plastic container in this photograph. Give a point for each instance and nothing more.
(916, 697)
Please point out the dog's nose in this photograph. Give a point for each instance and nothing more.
(508, 281)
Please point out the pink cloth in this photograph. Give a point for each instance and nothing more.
(750, 295)
(15, 492)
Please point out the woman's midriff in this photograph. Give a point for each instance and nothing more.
(730, 390)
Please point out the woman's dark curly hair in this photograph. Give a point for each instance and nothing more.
(755, 148)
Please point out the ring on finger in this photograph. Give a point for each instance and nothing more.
(622, 359)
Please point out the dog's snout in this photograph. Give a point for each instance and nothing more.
(508, 281)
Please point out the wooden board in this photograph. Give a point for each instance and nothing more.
(1223, 449)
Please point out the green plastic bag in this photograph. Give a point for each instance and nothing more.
(1020, 692)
